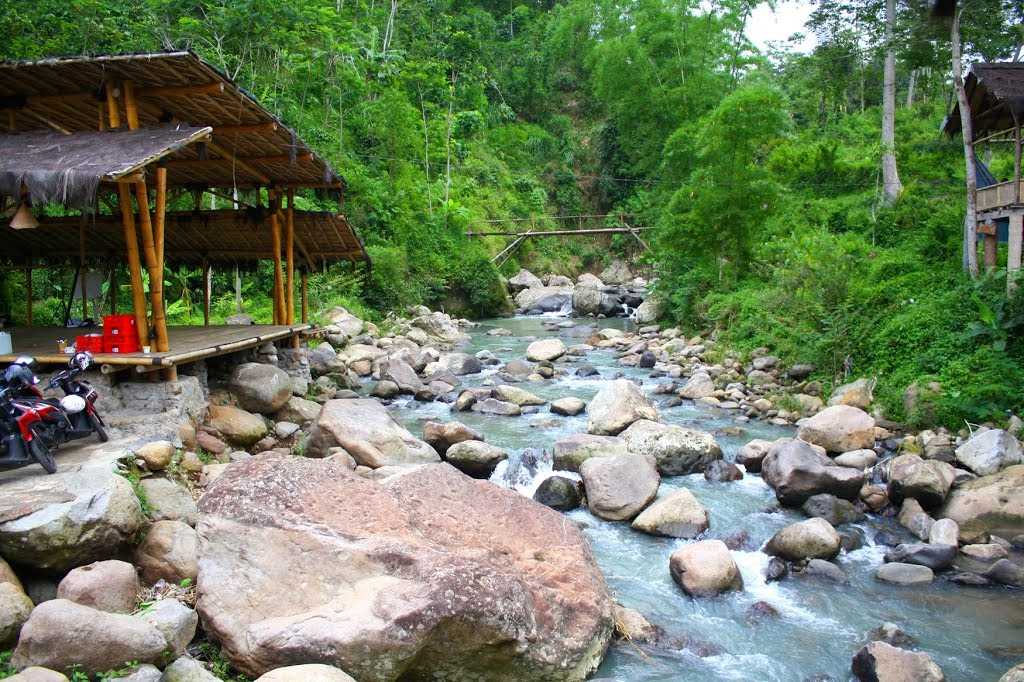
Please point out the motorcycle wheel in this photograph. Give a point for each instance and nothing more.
(42, 454)
(98, 427)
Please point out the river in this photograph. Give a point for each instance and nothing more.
(974, 634)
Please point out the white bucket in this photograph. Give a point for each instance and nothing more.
(5, 344)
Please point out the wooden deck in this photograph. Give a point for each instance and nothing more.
(187, 344)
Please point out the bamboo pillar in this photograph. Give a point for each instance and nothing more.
(206, 294)
(28, 293)
(305, 299)
(156, 275)
(160, 214)
(81, 267)
(134, 267)
(113, 113)
(289, 246)
(275, 239)
(131, 109)
(1014, 251)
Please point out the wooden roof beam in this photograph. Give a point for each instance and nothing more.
(214, 88)
(265, 127)
(241, 163)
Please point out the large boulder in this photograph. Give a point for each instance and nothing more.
(398, 372)
(883, 662)
(236, 425)
(796, 471)
(412, 577)
(990, 504)
(839, 428)
(752, 454)
(699, 385)
(308, 672)
(927, 481)
(298, 411)
(461, 364)
(544, 299)
(110, 585)
(570, 452)
(617, 272)
(859, 393)
(60, 634)
(705, 569)
(443, 435)
(620, 487)
(475, 458)
(545, 350)
(169, 501)
(260, 388)
(989, 451)
(677, 515)
(647, 312)
(345, 322)
(559, 492)
(366, 431)
(935, 557)
(15, 608)
(586, 300)
(440, 327)
(83, 513)
(676, 449)
(517, 396)
(810, 539)
(175, 621)
(618, 404)
(524, 279)
(170, 551)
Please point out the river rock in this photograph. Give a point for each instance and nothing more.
(882, 662)
(517, 396)
(175, 621)
(904, 574)
(545, 350)
(915, 519)
(309, 672)
(347, 323)
(15, 607)
(156, 454)
(260, 388)
(677, 450)
(927, 481)
(857, 459)
(169, 552)
(38, 674)
(990, 504)
(83, 513)
(699, 385)
(187, 669)
(169, 501)
(618, 404)
(752, 454)
(705, 569)
(859, 393)
(544, 299)
(620, 487)
(399, 373)
(617, 272)
(989, 451)
(443, 435)
(720, 471)
(586, 300)
(677, 515)
(559, 492)
(236, 425)
(1014, 674)
(796, 472)
(935, 557)
(61, 633)
(832, 509)
(365, 429)
(524, 279)
(944, 532)
(839, 428)
(475, 458)
(570, 452)
(298, 410)
(647, 312)
(497, 407)
(810, 539)
(111, 586)
(569, 407)
(375, 592)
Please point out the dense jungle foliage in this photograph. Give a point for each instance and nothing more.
(759, 170)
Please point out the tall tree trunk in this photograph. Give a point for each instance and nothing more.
(967, 129)
(910, 88)
(891, 186)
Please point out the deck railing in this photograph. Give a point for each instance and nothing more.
(998, 196)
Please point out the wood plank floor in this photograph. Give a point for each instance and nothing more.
(185, 342)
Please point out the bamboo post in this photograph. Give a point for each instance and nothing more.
(289, 246)
(156, 275)
(81, 267)
(134, 267)
(275, 239)
(131, 108)
(28, 292)
(113, 114)
(305, 298)
(206, 294)
(160, 211)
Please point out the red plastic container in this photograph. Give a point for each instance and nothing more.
(120, 344)
(91, 343)
(119, 325)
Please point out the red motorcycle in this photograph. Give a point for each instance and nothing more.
(27, 433)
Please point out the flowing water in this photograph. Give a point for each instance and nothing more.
(972, 633)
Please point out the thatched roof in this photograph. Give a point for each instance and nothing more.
(995, 92)
(67, 169)
(223, 236)
(67, 94)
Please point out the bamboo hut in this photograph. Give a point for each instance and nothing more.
(116, 143)
(995, 92)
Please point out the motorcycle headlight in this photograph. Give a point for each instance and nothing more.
(72, 404)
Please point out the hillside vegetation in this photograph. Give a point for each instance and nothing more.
(760, 172)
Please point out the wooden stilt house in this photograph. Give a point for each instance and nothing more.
(996, 95)
(105, 163)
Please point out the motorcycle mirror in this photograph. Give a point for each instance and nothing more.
(82, 360)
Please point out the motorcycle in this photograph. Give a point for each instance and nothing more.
(27, 433)
(78, 404)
